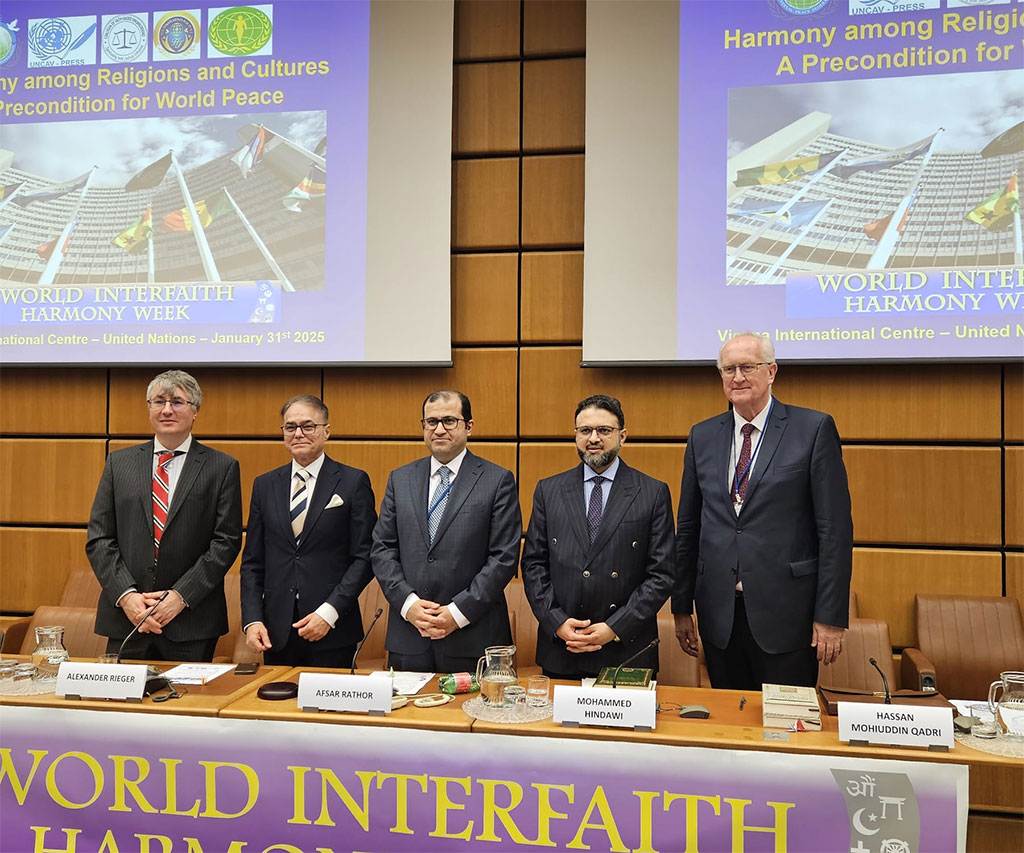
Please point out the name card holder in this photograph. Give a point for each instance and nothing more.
(605, 706)
(360, 694)
(123, 681)
(924, 726)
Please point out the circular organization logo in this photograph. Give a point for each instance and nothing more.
(50, 37)
(176, 33)
(802, 7)
(8, 41)
(124, 38)
(240, 31)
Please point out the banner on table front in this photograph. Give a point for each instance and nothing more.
(85, 780)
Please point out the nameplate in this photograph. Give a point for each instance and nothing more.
(101, 680)
(361, 694)
(621, 707)
(906, 725)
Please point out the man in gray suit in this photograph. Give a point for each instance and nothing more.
(598, 560)
(165, 527)
(765, 535)
(445, 546)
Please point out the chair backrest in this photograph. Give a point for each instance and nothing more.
(79, 638)
(81, 589)
(969, 640)
(373, 654)
(231, 647)
(674, 665)
(524, 628)
(866, 638)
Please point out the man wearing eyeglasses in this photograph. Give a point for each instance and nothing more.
(598, 559)
(765, 534)
(307, 549)
(445, 547)
(165, 527)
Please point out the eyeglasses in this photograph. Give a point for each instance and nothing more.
(176, 404)
(449, 422)
(305, 429)
(603, 431)
(745, 369)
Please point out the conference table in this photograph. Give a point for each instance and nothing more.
(445, 739)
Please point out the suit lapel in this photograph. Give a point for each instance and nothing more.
(419, 493)
(773, 432)
(469, 475)
(322, 491)
(144, 467)
(624, 490)
(723, 457)
(280, 498)
(575, 507)
(194, 460)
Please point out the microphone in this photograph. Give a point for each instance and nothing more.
(885, 681)
(359, 647)
(618, 669)
(145, 616)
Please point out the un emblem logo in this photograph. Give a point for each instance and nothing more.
(50, 37)
(240, 31)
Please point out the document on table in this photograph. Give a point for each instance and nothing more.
(410, 683)
(197, 673)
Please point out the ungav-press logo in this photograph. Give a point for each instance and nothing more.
(61, 41)
(241, 31)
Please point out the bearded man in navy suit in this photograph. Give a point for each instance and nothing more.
(307, 549)
(598, 559)
(764, 538)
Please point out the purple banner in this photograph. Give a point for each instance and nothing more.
(72, 779)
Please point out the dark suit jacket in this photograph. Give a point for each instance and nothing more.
(473, 557)
(198, 546)
(330, 564)
(622, 579)
(792, 541)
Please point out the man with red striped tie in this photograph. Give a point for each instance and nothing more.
(165, 527)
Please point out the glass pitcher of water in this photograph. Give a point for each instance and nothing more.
(1009, 710)
(495, 671)
(49, 652)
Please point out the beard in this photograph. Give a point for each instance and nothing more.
(599, 461)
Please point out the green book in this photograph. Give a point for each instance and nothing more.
(629, 676)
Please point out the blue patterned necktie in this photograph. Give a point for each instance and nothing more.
(299, 502)
(440, 501)
(596, 506)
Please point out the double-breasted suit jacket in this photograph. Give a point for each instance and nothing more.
(330, 563)
(200, 540)
(622, 579)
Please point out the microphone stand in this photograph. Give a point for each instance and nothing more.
(885, 681)
(618, 669)
(359, 647)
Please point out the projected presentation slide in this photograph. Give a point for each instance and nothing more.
(848, 177)
(165, 193)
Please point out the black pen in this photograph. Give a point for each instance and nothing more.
(743, 701)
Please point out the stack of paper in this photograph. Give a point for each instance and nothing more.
(785, 706)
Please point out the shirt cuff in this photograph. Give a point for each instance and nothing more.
(328, 613)
(409, 602)
(460, 620)
(120, 598)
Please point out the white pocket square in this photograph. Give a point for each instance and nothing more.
(334, 501)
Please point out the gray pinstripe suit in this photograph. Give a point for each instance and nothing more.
(621, 579)
(200, 541)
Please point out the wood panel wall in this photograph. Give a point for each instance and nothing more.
(935, 452)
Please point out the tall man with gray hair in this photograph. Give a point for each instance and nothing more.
(764, 539)
(165, 527)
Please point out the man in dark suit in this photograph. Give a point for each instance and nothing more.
(165, 526)
(597, 564)
(765, 535)
(445, 547)
(307, 549)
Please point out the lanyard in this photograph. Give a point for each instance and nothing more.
(440, 497)
(739, 478)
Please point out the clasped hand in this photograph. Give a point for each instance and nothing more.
(581, 635)
(431, 619)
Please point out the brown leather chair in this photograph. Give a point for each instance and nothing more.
(79, 638)
(373, 655)
(963, 643)
(865, 639)
(674, 665)
(524, 628)
(81, 589)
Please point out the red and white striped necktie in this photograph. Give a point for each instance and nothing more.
(161, 496)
